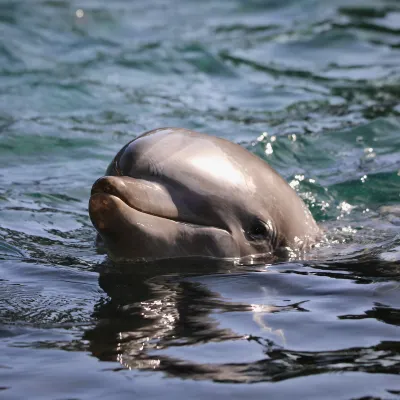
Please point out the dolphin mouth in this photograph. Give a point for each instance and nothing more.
(105, 187)
(129, 191)
(134, 229)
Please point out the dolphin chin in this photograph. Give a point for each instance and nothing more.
(173, 193)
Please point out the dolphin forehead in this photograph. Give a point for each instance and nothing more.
(193, 159)
(219, 167)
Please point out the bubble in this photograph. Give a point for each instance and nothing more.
(324, 205)
(364, 178)
(345, 207)
(79, 13)
(369, 154)
(268, 149)
(348, 229)
(262, 137)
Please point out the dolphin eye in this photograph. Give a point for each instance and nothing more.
(258, 230)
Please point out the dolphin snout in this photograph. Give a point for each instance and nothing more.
(106, 184)
(107, 196)
(100, 207)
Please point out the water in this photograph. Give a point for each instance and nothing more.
(311, 86)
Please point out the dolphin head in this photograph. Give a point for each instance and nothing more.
(176, 193)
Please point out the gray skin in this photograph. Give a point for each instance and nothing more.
(177, 193)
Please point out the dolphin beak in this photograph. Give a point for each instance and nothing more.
(145, 196)
(110, 185)
(138, 219)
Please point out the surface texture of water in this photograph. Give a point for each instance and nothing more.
(311, 86)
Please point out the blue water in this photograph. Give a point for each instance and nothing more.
(311, 86)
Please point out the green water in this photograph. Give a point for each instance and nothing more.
(313, 87)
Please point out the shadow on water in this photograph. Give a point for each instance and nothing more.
(232, 325)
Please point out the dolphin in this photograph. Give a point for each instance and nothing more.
(173, 193)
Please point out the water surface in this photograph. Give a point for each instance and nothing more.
(313, 87)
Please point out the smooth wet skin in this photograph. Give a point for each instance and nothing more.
(176, 193)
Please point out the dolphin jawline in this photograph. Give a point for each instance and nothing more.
(98, 192)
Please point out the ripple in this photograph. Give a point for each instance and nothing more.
(311, 87)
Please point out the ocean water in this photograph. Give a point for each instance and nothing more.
(312, 87)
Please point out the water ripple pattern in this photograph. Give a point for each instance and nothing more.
(312, 87)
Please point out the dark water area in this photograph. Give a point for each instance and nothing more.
(312, 87)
